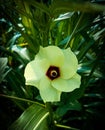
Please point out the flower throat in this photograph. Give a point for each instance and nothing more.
(53, 72)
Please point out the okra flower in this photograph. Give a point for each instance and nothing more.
(53, 71)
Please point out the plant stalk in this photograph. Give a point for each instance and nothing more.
(51, 119)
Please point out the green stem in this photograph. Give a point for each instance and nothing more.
(65, 127)
(21, 99)
(54, 126)
(51, 119)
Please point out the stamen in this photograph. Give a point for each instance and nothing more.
(53, 72)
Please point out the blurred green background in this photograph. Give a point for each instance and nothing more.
(27, 24)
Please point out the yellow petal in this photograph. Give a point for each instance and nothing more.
(70, 64)
(53, 54)
(35, 70)
(47, 92)
(67, 85)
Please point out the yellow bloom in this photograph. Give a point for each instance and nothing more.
(53, 71)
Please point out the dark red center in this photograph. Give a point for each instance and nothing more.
(53, 72)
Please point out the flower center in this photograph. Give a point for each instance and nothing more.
(53, 72)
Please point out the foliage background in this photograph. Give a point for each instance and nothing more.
(24, 26)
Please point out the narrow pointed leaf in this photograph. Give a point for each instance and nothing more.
(3, 64)
(33, 118)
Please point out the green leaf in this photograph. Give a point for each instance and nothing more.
(22, 52)
(64, 41)
(38, 5)
(64, 16)
(74, 105)
(86, 46)
(3, 64)
(33, 118)
(59, 6)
